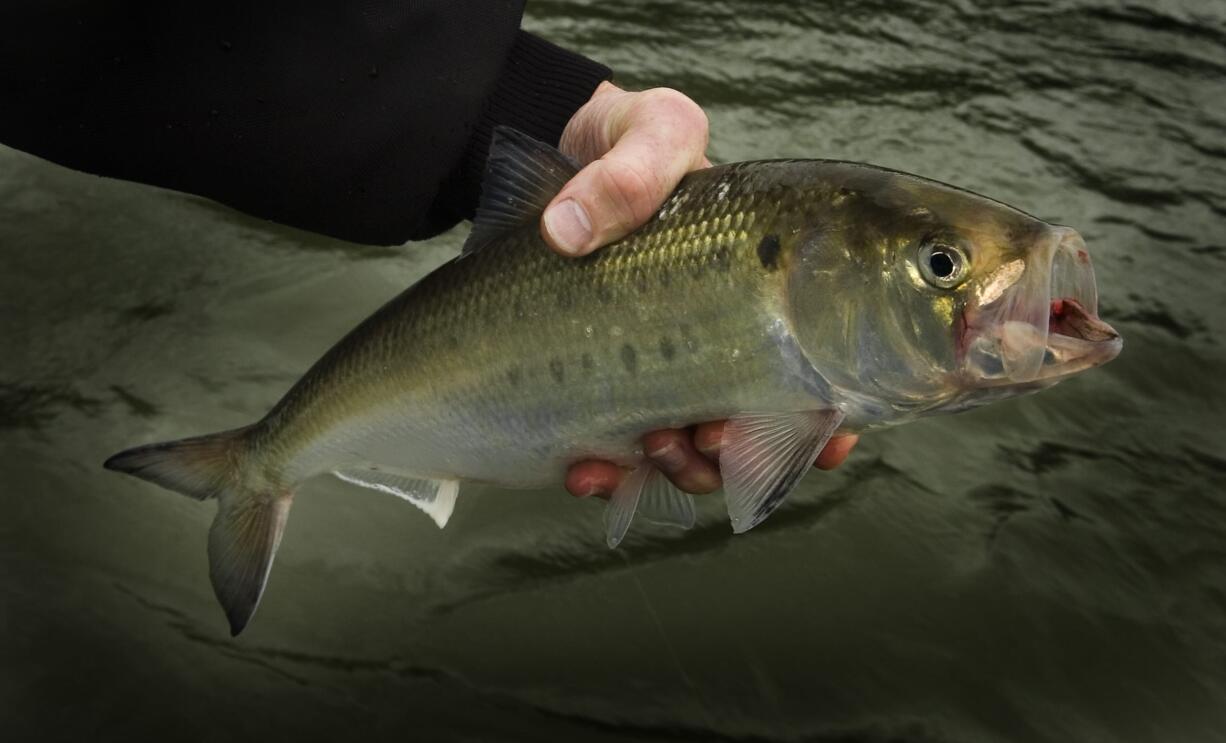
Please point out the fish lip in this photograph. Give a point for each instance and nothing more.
(1053, 311)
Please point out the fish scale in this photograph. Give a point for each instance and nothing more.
(457, 341)
(791, 297)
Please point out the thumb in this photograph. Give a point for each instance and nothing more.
(657, 137)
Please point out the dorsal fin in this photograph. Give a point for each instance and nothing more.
(522, 176)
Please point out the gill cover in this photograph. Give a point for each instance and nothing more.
(858, 307)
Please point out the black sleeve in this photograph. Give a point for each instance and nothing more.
(364, 121)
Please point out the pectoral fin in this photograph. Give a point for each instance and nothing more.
(436, 497)
(763, 457)
(648, 492)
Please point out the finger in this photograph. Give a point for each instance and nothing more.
(593, 477)
(709, 436)
(663, 136)
(673, 452)
(835, 451)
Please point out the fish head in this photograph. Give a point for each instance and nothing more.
(930, 297)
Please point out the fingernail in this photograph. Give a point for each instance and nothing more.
(669, 456)
(569, 226)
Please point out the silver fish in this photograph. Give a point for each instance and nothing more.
(796, 298)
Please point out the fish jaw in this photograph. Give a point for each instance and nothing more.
(1036, 326)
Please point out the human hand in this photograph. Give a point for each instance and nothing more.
(635, 148)
(689, 457)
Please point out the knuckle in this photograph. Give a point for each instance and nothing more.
(679, 122)
(630, 190)
(676, 105)
(680, 113)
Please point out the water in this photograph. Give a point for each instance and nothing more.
(1047, 569)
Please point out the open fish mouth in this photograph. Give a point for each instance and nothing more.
(1077, 340)
(1041, 325)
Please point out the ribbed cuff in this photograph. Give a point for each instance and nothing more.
(541, 87)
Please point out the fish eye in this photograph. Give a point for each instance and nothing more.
(941, 264)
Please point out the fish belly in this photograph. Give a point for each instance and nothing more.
(528, 439)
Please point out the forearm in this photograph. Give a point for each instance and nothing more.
(368, 128)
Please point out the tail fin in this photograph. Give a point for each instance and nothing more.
(251, 512)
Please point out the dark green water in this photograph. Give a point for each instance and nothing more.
(1047, 569)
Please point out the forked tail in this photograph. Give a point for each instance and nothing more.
(251, 510)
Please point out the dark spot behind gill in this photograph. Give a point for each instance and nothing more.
(768, 252)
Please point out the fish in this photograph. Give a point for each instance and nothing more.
(798, 299)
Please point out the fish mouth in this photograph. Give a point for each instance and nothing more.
(1077, 340)
(1044, 326)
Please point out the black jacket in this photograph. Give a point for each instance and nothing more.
(368, 121)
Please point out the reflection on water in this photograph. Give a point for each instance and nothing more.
(1048, 569)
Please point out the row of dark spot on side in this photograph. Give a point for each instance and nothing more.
(768, 254)
(628, 355)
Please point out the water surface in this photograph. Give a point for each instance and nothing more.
(1047, 569)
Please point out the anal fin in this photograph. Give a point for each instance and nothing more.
(435, 497)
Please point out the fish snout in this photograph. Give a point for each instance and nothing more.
(1045, 325)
